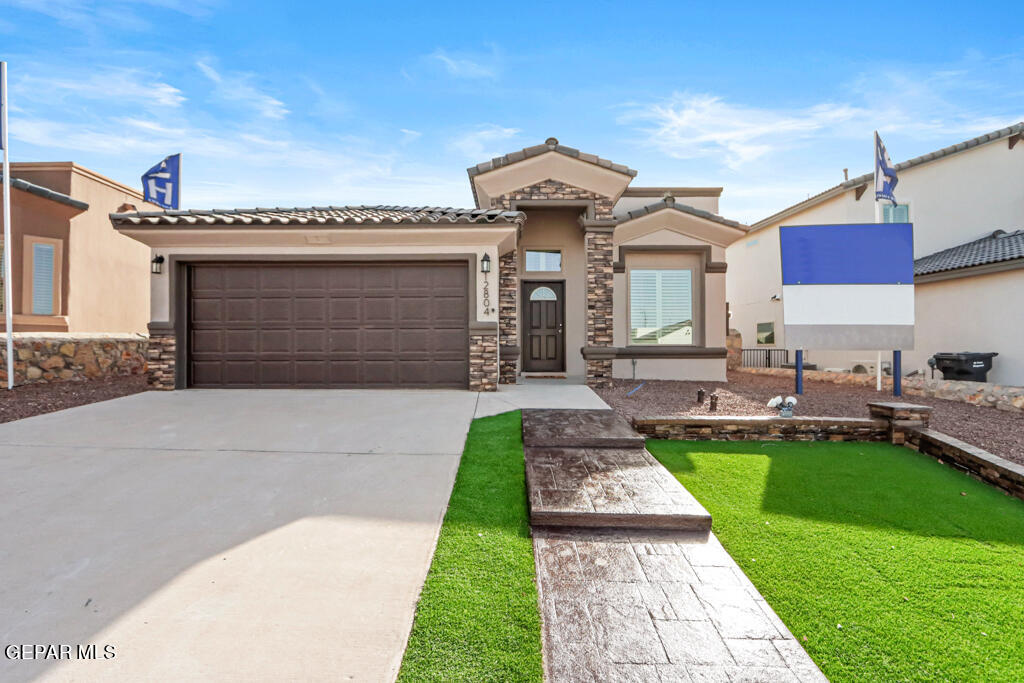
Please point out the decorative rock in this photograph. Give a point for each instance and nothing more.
(67, 349)
(33, 372)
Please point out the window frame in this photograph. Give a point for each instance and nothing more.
(696, 304)
(903, 203)
(548, 250)
(28, 274)
(757, 333)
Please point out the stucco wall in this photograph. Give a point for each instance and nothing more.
(953, 200)
(560, 229)
(109, 272)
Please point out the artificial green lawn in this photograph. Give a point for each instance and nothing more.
(477, 619)
(928, 584)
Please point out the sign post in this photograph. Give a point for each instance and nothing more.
(8, 280)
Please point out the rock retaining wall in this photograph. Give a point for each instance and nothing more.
(976, 462)
(999, 396)
(61, 357)
(733, 428)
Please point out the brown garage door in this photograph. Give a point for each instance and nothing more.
(329, 325)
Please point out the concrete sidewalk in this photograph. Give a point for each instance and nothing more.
(224, 535)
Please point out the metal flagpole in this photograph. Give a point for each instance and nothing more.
(8, 266)
(878, 219)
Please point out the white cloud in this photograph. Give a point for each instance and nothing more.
(477, 143)
(409, 135)
(91, 17)
(464, 67)
(689, 126)
(104, 84)
(237, 87)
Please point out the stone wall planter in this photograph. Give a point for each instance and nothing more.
(736, 428)
(70, 357)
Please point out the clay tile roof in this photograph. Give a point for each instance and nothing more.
(366, 216)
(671, 203)
(992, 248)
(550, 145)
(46, 193)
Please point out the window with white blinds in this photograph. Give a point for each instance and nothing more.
(660, 306)
(43, 263)
(895, 213)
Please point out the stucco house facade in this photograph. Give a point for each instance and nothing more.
(966, 203)
(563, 270)
(73, 273)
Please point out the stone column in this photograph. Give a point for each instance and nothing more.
(161, 356)
(901, 417)
(508, 317)
(598, 246)
(483, 359)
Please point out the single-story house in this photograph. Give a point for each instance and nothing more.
(561, 270)
(72, 271)
(966, 202)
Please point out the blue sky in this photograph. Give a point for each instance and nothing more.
(296, 104)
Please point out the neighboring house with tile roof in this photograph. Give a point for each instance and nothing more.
(561, 270)
(958, 198)
(72, 272)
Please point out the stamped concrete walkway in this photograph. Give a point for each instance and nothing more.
(643, 604)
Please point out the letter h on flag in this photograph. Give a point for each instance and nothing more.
(885, 173)
(161, 185)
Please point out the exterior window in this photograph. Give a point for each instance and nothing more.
(766, 333)
(896, 213)
(543, 260)
(543, 294)
(661, 307)
(3, 279)
(41, 278)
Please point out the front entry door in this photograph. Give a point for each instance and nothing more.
(544, 326)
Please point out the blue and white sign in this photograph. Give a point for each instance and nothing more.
(161, 185)
(848, 286)
(885, 173)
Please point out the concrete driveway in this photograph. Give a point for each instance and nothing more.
(227, 535)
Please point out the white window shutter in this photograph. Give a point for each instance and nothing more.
(42, 279)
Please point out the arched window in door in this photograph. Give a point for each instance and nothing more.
(543, 294)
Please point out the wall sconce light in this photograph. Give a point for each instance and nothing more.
(485, 264)
(156, 266)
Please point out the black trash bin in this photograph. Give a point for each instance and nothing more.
(964, 365)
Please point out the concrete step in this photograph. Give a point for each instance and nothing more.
(578, 429)
(620, 488)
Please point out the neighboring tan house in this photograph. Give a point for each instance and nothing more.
(966, 202)
(72, 271)
(562, 270)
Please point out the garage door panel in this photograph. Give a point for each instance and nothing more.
(275, 310)
(379, 341)
(310, 310)
(329, 325)
(275, 341)
(311, 341)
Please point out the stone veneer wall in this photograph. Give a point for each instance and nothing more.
(556, 190)
(999, 396)
(68, 357)
(508, 317)
(978, 463)
(162, 361)
(483, 362)
(733, 428)
(734, 350)
(599, 251)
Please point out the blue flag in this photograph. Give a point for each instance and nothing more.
(161, 185)
(885, 172)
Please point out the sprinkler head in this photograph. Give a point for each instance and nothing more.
(700, 395)
(714, 403)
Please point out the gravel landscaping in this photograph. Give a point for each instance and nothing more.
(35, 399)
(994, 430)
